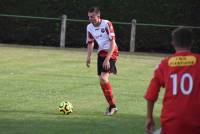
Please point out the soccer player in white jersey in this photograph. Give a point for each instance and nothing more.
(103, 33)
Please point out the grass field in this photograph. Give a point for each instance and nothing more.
(33, 81)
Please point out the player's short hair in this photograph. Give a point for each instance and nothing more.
(182, 37)
(94, 9)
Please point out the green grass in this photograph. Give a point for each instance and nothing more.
(33, 81)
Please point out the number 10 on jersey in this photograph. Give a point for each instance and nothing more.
(183, 79)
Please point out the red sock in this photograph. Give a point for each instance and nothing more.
(107, 90)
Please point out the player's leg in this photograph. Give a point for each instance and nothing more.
(107, 88)
(105, 83)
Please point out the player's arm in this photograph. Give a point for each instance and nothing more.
(151, 97)
(111, 34)
(106, 63)
(90, 48)
(149, 124)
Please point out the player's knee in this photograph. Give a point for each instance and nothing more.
(103, 79)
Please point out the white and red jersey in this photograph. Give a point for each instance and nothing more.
(103, 34)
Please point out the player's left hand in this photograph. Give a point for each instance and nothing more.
(106, 64)
(88, 61)
(149, 125)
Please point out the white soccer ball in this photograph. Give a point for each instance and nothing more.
(65, 107)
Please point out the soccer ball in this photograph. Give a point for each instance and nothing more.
(65, 107)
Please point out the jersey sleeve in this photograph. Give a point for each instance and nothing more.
(89, 37)
(155, 84)
(110, 30)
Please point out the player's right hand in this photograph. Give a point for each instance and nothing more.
(149, 126)
(88, 61)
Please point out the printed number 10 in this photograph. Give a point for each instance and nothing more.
(182, 82)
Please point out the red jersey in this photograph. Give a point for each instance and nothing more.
(179, 74)
(103, 34)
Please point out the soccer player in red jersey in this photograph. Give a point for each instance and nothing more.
(102, 32)
(180, 76)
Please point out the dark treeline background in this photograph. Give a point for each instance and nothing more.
(148, 38)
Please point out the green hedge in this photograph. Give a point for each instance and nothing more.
(153, 39)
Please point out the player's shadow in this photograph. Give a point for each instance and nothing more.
(76, 123)
(26, 112)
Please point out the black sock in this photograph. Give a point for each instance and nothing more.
(112, 106)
